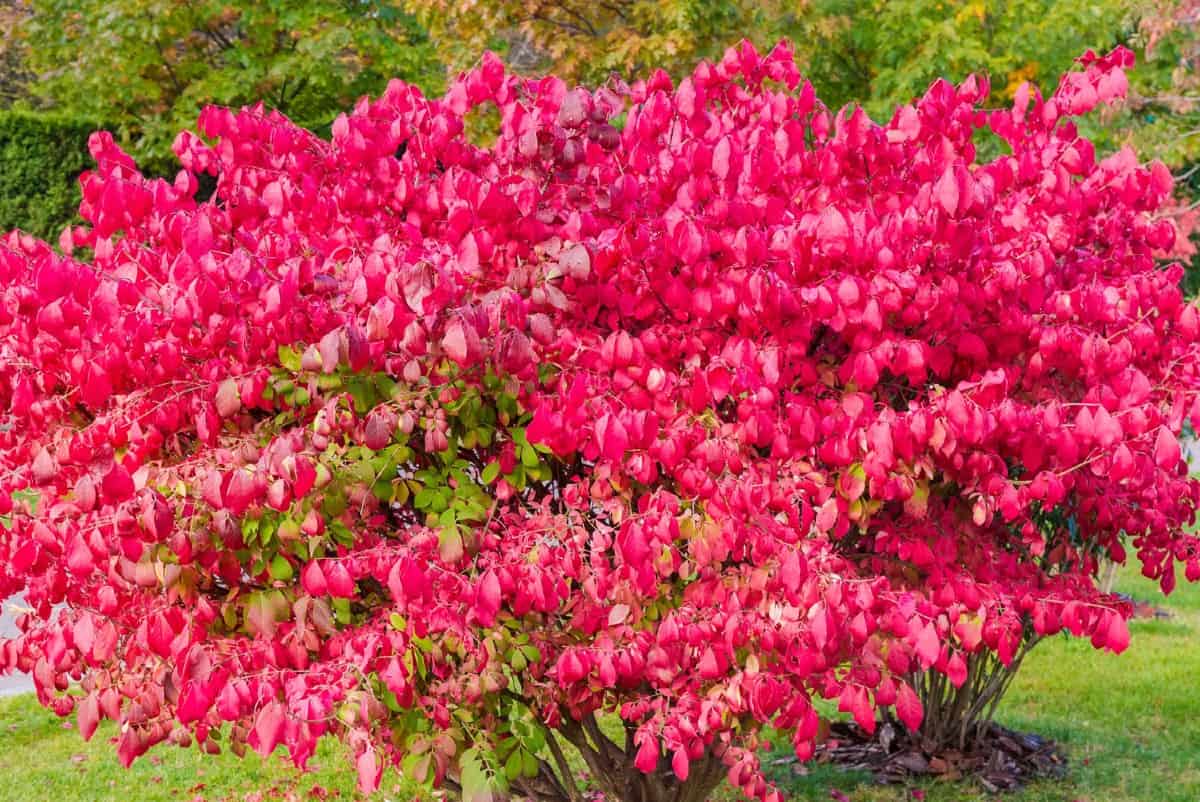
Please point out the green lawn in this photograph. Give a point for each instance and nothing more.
(1131, 724)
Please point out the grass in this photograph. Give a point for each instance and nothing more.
(1131, 724)
(43, 758)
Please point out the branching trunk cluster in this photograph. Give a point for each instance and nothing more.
(955, 717)
(613, 772)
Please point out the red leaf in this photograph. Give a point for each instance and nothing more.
(194, 703)
(159, 635)
(956, 669)
(680, 764)
(381, 425)
(612, 436)
(908, 707)
(84, 634)
(117, 484)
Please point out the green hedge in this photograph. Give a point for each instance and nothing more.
(41, 157)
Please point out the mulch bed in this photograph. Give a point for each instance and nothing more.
(1002, 760)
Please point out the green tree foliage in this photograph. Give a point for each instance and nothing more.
(884, 52)
(41, 156)
(874, 52)
(588, 40)
(150, 65)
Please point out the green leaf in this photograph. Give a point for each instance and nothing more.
(536, 740)
(424, 499)
(281, 569)
(415, 767)
(514, 767)
(530, 763)
(477, 785)
(529, 457)
(341, 611)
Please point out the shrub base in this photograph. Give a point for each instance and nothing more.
(1000, 759)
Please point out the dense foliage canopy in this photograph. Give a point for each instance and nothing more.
(446, 449)
(146, 68)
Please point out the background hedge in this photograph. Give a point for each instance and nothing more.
(41, 157)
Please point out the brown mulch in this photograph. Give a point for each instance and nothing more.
(1001, 760)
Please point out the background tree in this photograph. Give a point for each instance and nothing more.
(883, 53)
(14, 75)
(586, 41)
(148, 66)
(1163, 113)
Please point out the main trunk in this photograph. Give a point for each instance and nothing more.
(613, 772)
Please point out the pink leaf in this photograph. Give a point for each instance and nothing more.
(313, 579)
(228, 400)
(928, 646)
(680, 764)
(273, 196)
(369, 769)
(1166, 449)
(454, 342)
(487, 599)
(1116, 638)
(88, 715)
(647, 755)
(908, 707)
(79, 557)
(268, 728)
(339, 581)
(946, 191)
